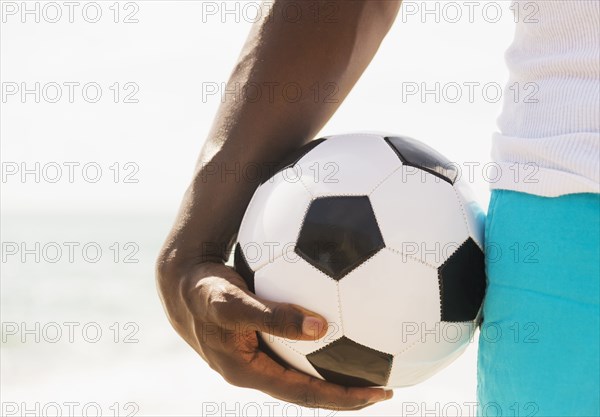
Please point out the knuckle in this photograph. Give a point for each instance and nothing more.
(307, 399)
(308, 396)
(221, 304)
(272, 316)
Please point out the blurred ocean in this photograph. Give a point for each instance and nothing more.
(83, 330)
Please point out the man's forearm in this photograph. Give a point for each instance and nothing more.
(258, 131)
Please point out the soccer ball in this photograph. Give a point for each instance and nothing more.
(380, 236)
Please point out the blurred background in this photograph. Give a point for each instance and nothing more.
(104, 108)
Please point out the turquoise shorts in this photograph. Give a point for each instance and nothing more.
(539, 340)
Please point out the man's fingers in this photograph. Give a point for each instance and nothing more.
(229, 304)
(292, 321)
(288, 385)
(227, 317)
(250, 313)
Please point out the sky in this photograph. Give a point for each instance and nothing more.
(159, 68)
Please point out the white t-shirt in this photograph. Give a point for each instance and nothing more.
(549, 138)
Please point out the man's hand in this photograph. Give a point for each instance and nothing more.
(207, 302)
(219, 318)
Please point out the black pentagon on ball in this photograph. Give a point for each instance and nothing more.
(462, 283)
(241, 266)
(416, 154)
(348, 363)
(291, 159)
(338, 234)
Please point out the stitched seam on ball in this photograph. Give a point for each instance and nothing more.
(307, 189)
(378, 225)
(441, 283)
(411, 257)
(362, 263)
(456, 250)
(311, 200)
(339, 306)
(431, 266)
(464, 214)
(407, 348)
(387, 378)
(301, 223)
(458, 321)
(315, 268)
(389, 371)
(335, 194)
(385, 179)
(441, 289)
(368, 347)
(272, 261)
(283, 341)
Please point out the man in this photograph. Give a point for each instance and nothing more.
(559, 137)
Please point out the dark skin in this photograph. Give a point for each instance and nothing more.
(207, 302)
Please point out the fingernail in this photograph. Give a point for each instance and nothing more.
(389, 394)
(312, 326)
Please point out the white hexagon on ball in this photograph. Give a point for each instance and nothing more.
(341, 168)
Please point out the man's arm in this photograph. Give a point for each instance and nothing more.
(198, 291)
